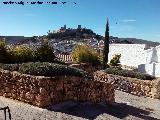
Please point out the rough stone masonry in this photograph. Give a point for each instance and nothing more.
(148, 88)
(44, 91)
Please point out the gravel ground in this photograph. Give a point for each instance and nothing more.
(126, 107)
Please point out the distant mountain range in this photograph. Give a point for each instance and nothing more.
(15, 39)
(76, 34)
(133, 41)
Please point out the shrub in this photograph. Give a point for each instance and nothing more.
(4, 55)
(45, 53)
(50, 69)
(83, 53)
(22, 53)
(45, 69)
(2, 44)
(10, 67)
(128, 73)
(115, 60)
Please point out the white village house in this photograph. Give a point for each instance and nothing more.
(152, 65)
(147, 61)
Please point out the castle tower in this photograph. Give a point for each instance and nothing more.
(79, 27)
(65, 27)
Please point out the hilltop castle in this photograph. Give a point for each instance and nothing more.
(64, 28)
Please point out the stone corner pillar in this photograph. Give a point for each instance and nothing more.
(156, 89)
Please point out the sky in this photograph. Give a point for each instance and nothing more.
(127, 18)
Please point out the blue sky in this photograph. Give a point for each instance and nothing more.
(134, 18)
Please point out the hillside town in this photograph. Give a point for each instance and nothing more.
(65, 39)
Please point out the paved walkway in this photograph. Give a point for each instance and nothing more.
(23, 111)
(127, 107)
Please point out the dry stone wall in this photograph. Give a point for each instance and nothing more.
(131, 85)
(87, 67)
(44, 91)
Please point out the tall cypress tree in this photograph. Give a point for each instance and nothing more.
(106, 46)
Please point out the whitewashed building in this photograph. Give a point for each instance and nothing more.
(136, 55)
(131, 54)
(152, 64)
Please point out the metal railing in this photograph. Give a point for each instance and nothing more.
(5, 112)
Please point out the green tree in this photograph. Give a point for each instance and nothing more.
(83, 53)
(4, 56)
(106, 46)
(45, 53)
(22, 53)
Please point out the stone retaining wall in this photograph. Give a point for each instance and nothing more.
(131, 85)
(87, 67)
(43, 91)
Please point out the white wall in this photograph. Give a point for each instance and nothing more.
(152, 65)
(158, 53)
(147, 61)
(131, 54)
(151, 69)
(150, 54)
(157, 70)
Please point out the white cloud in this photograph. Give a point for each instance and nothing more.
(128, 20)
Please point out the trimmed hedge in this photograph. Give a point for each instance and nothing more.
(129, 73)
(10, 67)
(44, 69)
